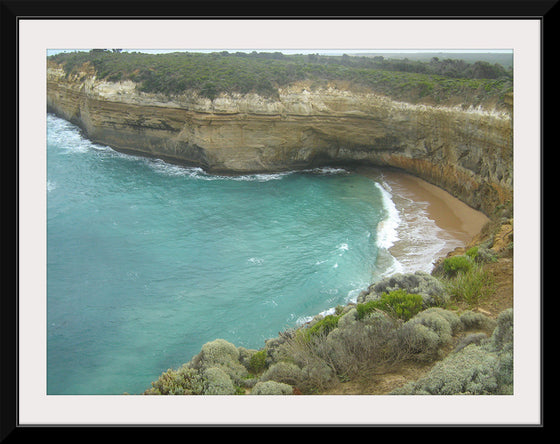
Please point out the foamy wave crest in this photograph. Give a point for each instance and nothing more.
(387, 233)
(68, 136)
(50, 185)
(424, 241)
(395, 268)
(199, 173)
(342, 248)
(326, 170)
(259, 177)
(265, 177)
(169, 169)
(255, 260)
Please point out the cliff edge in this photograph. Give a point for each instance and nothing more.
(466, 150)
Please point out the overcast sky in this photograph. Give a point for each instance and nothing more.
(303, 51)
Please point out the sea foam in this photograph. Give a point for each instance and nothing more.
(387, 233)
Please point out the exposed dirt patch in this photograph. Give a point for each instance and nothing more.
(382, 384)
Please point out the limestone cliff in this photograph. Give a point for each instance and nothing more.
(468, 152)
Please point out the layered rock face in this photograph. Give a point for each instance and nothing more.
(468, 152)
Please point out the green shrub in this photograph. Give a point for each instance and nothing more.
(397, 303)
(257, 362)
(429, 287)
(323, 326)
(481, 255)
(365, 309)
(454, 265)
(262, 73)
(472, 252)
(472, 286)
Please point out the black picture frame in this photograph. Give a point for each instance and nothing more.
(14, 11)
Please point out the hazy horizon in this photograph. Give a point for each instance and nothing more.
(306, 51)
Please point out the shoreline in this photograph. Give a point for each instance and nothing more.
(448, 212)
(458, 222)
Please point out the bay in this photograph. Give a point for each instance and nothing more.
(147, 261)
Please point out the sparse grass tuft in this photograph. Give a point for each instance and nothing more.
(471, 286)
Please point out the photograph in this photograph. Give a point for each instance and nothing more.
(266, 222)
(259, 222)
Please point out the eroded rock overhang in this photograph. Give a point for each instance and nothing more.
(466, 151)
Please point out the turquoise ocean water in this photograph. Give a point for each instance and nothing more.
(147, 261)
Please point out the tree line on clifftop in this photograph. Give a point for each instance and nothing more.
(210, 74)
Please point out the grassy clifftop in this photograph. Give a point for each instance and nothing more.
(210, 74)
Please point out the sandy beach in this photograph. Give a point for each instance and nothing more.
(459, 222)
(447, 211)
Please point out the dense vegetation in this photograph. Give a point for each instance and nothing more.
(210, 74)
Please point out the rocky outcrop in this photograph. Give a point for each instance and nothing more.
(468, 152)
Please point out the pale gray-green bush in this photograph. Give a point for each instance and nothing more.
(472, 371)
(286, 372)
(221, 354)
(364, 347)
(473, 320)
(218, 382)
(473, 338)
(271, 388)
(467, 372)
(216, 352)
(502, 337)
(184, 381)
(421, 342)
(275, 347)
(442, 322)
(501, 342)
(245, 356)
(348, 318)
(425, 334)
(317, 375)
(360, 347)
(483, 367)
(306, 353)
(484, 255)
(356, 348)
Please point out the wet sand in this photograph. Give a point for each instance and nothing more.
(449, 213)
